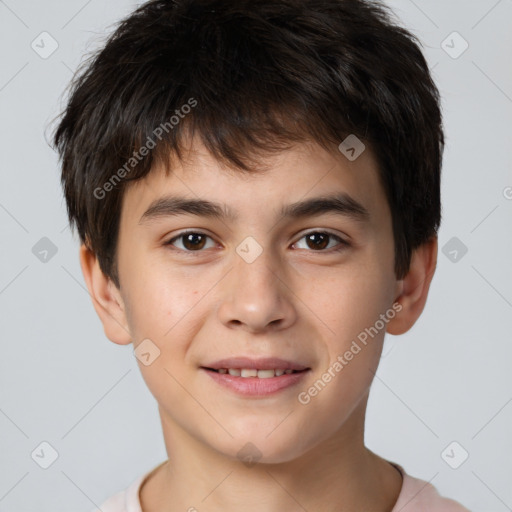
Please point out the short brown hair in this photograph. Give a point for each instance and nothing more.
(263, 74)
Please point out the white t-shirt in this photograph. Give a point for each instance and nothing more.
(416, 496)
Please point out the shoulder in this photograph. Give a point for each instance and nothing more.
(420, 496)
(126, 500)
(115, 503)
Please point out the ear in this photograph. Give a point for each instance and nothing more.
(106, 298)
(414, 287)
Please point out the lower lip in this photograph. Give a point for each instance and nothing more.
(254, 386)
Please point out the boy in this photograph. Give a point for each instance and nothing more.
(256, 186)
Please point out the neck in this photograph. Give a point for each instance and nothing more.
(339, 474)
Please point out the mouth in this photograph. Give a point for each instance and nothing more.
(254, 372)
(263, 368)
(256, 377)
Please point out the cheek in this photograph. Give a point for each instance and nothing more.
(349, 301)
(158, 303)
(162, 309)
(351, 307)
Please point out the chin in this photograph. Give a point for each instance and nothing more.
(263, 445)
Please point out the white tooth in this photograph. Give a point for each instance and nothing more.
(265, 374)
(249, 372)
(223, 370)
(234, 371)
(279, 373)
(288, 371)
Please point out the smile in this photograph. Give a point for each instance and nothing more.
(251, 372)
(251, 382)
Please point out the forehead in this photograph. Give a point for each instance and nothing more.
(304, 171)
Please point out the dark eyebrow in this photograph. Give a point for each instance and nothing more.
(341, 203)
(171, 205)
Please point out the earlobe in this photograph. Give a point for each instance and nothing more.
(106, 299)
(415, 287)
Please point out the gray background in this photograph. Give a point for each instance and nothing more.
(63, 382)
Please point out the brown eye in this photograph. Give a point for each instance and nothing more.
(320, 240)
(191, 241)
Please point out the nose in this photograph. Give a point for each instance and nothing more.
(256, 296)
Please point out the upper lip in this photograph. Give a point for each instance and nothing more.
(267, 363)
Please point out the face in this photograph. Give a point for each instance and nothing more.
(265, 273)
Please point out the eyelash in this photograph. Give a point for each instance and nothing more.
(343, 244)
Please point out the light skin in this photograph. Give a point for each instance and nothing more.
(299, 300)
